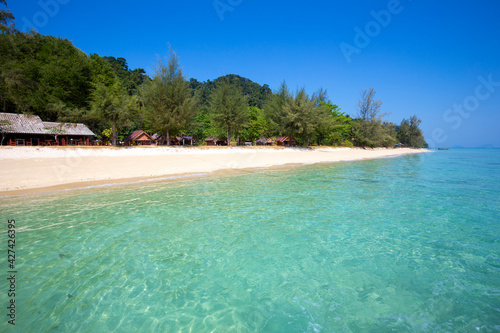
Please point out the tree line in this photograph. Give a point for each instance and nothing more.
(49, 77)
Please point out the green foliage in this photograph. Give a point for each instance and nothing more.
(4, 126)
(333, 126)
(130, 79)
(110, 104)
(37, 70)
(229, 108)
(202, 126)
(372, 134)
(347, 143)
(292, 115)
(391, 129)
(169, 105)
(258, 125)
(6, 20)
(254, 92)
(102, 72)
(107, 133)
(368, 106)
(410, 134)
(49, 77)
(55, 130)
(368, 129)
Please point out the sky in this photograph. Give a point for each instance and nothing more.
(439, 60)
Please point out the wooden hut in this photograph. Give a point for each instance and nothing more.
(139, 138)
(265, 142)
(158, 138)
(212, 141)
(186, 139)
(177, 140)
(285, 141)
(20, 129)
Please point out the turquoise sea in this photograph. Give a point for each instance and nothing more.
(406, 244)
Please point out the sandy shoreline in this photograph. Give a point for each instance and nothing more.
(43, 169)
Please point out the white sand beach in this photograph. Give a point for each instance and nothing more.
(42, 169)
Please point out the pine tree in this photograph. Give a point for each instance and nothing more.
(110, 103)
(410, 134)
(368, 129)
(292, 115)
(229, 108)
(169, 106)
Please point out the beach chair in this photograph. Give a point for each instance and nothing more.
(29, 142)
(12, 142)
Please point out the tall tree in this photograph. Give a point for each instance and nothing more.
(410, 134)
(258, 125)
(333, 126)
(368, 106)
(111, 103)
(229, 107)
(292, 115)
(169, 105)
(6, 19)
(368, 129)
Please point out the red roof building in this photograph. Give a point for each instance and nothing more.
(139, 138)
(285, 141)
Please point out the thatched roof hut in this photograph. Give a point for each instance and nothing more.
(21, 127)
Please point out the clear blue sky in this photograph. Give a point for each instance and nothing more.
(423, 57)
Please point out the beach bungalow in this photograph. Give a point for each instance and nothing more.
(265, 142)
(212, 141)
(139, 138)
(158, 138)
(30, 130)
(186, 139)
(177, 140)
(162, 140)
(285, 141)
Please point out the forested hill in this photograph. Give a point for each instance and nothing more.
(131, 79)
(50, 77)
(38, 73)
(255, 93)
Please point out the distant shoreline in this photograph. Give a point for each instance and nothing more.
(25, 170)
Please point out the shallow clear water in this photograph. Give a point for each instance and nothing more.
(404, 244)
